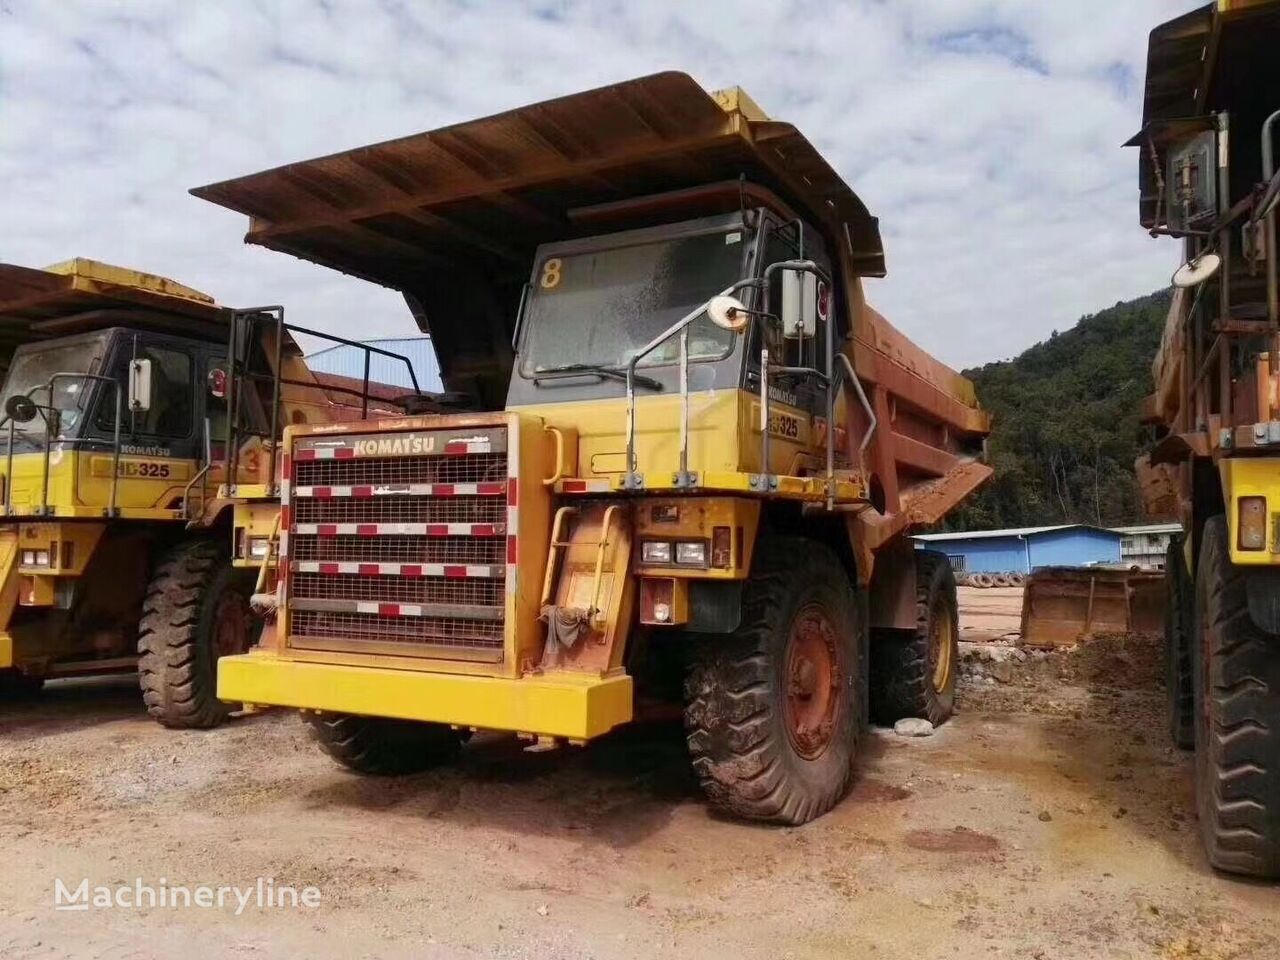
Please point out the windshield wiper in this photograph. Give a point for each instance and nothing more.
(593, 369)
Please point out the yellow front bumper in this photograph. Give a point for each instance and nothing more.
(570, 705)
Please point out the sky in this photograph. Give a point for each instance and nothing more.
(985, 134)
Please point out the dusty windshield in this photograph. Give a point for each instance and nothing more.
(33, 366)
(599, 308)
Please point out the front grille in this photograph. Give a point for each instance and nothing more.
(361, 580)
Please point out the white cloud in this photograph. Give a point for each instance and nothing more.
(984, 133)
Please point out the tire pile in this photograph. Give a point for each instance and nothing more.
(1010, 579)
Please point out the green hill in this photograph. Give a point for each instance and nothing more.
(1066, 428)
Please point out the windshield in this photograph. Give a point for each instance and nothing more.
(599, 308)
(33, 366)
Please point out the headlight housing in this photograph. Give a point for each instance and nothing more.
(655, 551)
(691, 553)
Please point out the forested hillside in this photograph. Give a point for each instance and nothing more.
(1066, 423)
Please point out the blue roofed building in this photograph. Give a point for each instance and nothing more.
(347, 361)
(1023, 549)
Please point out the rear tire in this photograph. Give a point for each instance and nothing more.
(772, 710)
(1236, 669)
(380, 746)
(1177, 648)
(913, 673)
(196, 609)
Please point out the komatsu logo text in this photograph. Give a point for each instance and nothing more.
(395, 445)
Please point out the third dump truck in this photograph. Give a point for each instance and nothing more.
(686, 459)
(1208, 176)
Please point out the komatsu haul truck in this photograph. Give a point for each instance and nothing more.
(685, 465)
(1208, 176)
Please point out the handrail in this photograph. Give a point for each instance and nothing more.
(241, 340)
(633, 480)
(48, 441)
(558, 475)
(606, 524)
(845, 372)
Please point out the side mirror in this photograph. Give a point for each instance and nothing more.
(728, 313)
(20, 408)
(805, 300)
(140, 385)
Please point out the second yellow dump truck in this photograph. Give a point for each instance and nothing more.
(116, 547)
(691, 462)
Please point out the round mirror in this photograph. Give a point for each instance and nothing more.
(20, 408)
(1197, 271)
(728, 313)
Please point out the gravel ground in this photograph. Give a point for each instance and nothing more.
(1049, 819)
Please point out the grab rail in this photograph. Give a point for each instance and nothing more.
(633, 480)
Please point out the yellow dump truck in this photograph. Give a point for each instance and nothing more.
(691, 461)
(1208, 176)
(116, 550)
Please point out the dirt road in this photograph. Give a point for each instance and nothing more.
(1059, 834)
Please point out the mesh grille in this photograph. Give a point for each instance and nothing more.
(399, 549)
(415, 634)
(469, 468)
(401, 509)
(433, 631)
(348, 586)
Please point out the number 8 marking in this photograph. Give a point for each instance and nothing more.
(550, 274)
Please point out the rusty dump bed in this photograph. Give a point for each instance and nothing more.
(81, 294)
(427, 213)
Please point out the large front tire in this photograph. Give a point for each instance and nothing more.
(1236, 670)
(913, 672)
(196, 610)
(1177, 648)
(772, 710)
(381, 746)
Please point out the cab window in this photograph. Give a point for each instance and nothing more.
(170, 414)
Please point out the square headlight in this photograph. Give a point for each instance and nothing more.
(691, 552)
(655, 551)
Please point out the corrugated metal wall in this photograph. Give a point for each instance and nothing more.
(347, 361)
(1070, 547)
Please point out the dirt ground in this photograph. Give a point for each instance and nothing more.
(1050, 819)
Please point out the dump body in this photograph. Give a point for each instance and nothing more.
(639, 448)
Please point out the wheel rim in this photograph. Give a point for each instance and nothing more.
(230, 625)
(813, 682)
(940, 646)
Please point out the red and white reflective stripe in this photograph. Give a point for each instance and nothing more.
(513, 509)
(365, 491)
(584, 486)
(404, 529)
(456, 448)
(450, 571)
(324, 453)
(389, 609)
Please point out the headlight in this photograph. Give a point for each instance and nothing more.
(655, 551)
(693, 553)
(35, 558)
(259, 548)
